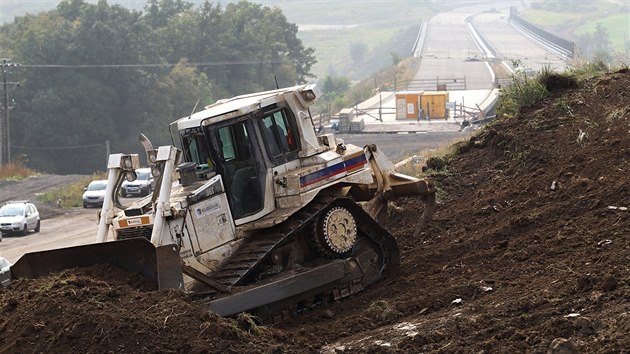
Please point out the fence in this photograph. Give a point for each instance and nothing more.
(555, 43)
(437, 84)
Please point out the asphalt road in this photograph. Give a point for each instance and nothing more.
(449, 50)
(61, 228)
(447, 46)
(75, 227)
(400, 146)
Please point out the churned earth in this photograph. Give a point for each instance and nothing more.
(529, 251)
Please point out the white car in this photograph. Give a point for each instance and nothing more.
(94, 193)
(143, 185)
(19, 216)
(5, 275)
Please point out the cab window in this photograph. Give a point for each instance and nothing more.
(197, 149)
(279, 134)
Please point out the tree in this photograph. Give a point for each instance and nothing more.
(395, 58)
(97, 72)
(160, 12)
(358, 51)
(595, 45)
(172, 97)
(334, 89)
(264, 36)
(600, 39)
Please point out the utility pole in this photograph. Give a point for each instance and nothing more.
(6, 154)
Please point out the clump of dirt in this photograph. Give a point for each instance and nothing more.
(528, 252)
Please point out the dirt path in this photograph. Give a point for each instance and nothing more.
(71, 228)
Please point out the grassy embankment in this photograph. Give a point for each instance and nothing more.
(573, 24)
(71, 195)
(15, 171)
(617, 26)
(68, 195)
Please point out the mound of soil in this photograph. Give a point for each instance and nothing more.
(104, 309)
(528, 252)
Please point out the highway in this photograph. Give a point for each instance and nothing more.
(512, 45)
(449, 50)
(447, 47)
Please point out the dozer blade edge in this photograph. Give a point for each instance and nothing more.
(159, 264)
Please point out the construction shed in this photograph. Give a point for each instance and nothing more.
(433, 104)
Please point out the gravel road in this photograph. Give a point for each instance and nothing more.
(60, 227)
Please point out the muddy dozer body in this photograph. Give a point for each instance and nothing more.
(264, 215)
(244, 284)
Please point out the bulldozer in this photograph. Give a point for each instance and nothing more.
(252, 210)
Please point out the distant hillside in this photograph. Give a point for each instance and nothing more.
(593, 25)
(384, 30)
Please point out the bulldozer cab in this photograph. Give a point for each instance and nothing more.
(228, 149)
(248, 140)
(242, 150)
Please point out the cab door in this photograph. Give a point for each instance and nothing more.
(234, 142)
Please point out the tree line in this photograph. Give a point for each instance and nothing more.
(98, 72)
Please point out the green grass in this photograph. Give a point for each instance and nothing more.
(70, 196)
(588, 70)
(332, 47)
(617, 26)
(523, 92)
(546, 18)
(583, 19)
(342, 12)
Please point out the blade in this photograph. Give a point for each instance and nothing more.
(137, 255)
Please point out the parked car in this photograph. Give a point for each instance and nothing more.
(94, 193)
(5, 275)
(142, 186)
(20, 217)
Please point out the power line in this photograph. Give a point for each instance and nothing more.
(57, 147)
(215, 63)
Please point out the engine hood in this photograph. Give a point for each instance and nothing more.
(10, 219)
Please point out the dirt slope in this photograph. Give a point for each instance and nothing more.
(529, 251)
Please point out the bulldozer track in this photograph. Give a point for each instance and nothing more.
(251, 254)
(246, 263)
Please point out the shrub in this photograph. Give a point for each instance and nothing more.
(71, 195)
(15, 171)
